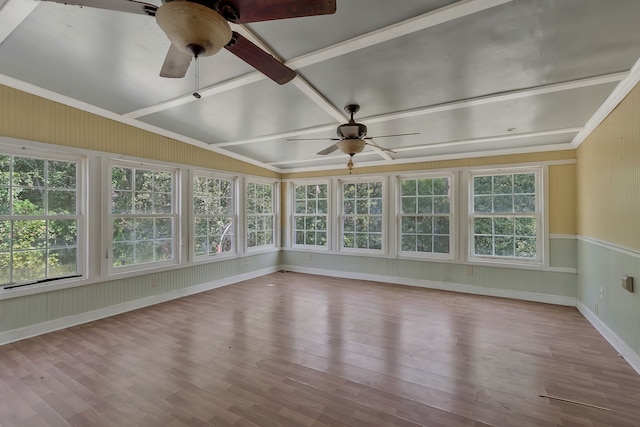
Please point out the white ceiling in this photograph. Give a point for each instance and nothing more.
(472, 77)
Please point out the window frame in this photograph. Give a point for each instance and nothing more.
(453, 222)
(539, 214)
(176, 215)
(233, 180)
(340, 215)
(80, 216)
(275, 200)
(328, 216)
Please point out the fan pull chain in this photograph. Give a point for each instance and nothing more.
(350, 164)
(197, 79)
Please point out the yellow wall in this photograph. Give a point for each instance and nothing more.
(608, 176)
(29, 117)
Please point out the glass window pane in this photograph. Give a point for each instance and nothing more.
(424, 243)
(62, 232)
(441, 244)
(376, 190)
(425, 187)
(29, 234)
(525, 227)
(61, 202)
(483, 226)
(503, 204)
(425, 205)
(144, 229)
(424, 225)
(525, 203)
(375, 241)
(28, 172)
(483, 204)
(144, 251)
(121, 178)
(408, 224)
(61, 175)
(408, 187)
(62, 262)
(441, 205)
(300, 192)
(483, 245)
(525, 247)
(5, 208)
(524, 183)
(504, 246)
(5, 236)
(322, 206)
(441, 186)
(441, 225)
(503, 184)
(29, 265)
(5, 168)
(408, 242)
(408, 205)
(28, 201)
(482, 185)
(503, 226)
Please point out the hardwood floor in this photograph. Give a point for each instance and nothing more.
(290, 349)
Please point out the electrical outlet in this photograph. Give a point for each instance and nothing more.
(601, 292)
(595, 308)
(154, 281)
(469, 270)
(309, 257)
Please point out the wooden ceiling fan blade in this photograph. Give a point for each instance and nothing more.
(129, 6)
(269, 10)
(328, 150)
(313, 139)
(259, 59)
(389, 136)
(176, 63)
(373, 144)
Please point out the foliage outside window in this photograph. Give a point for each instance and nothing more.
(143, 216)
(425, 211)
(213, 209)
(260, 215)
(362, 215)
(310, 218)
(38, 219)
(506, 216)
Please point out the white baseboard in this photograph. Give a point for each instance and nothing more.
(90, 316)
(621, 347)
(446, 286)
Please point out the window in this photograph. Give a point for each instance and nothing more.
(425, 215)
(506, 217)
(310, 218)
(39, 220)
(260, 215)
(143, 216)
(213, 207)
(362, 215)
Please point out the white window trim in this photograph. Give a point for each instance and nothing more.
(82, 211)
(453, 222)
(339, 190)
(541, 215)
(177, 215)
(275, 184)
(196, 259)
(291, 226)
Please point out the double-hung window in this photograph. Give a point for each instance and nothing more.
(144, 216)
(362, 222)
(310, 217)
(506, 216)
(40, 219)
(214, 214)
(426, 223)
(260, 214)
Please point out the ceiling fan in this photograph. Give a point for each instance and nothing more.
(352, 138)
(201, 28)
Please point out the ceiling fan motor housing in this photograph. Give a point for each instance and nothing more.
(352, 130)
(193, 28)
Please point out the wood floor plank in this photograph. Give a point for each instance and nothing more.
(301, 350)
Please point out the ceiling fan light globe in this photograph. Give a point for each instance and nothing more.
(351, 146)
(191, 24)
